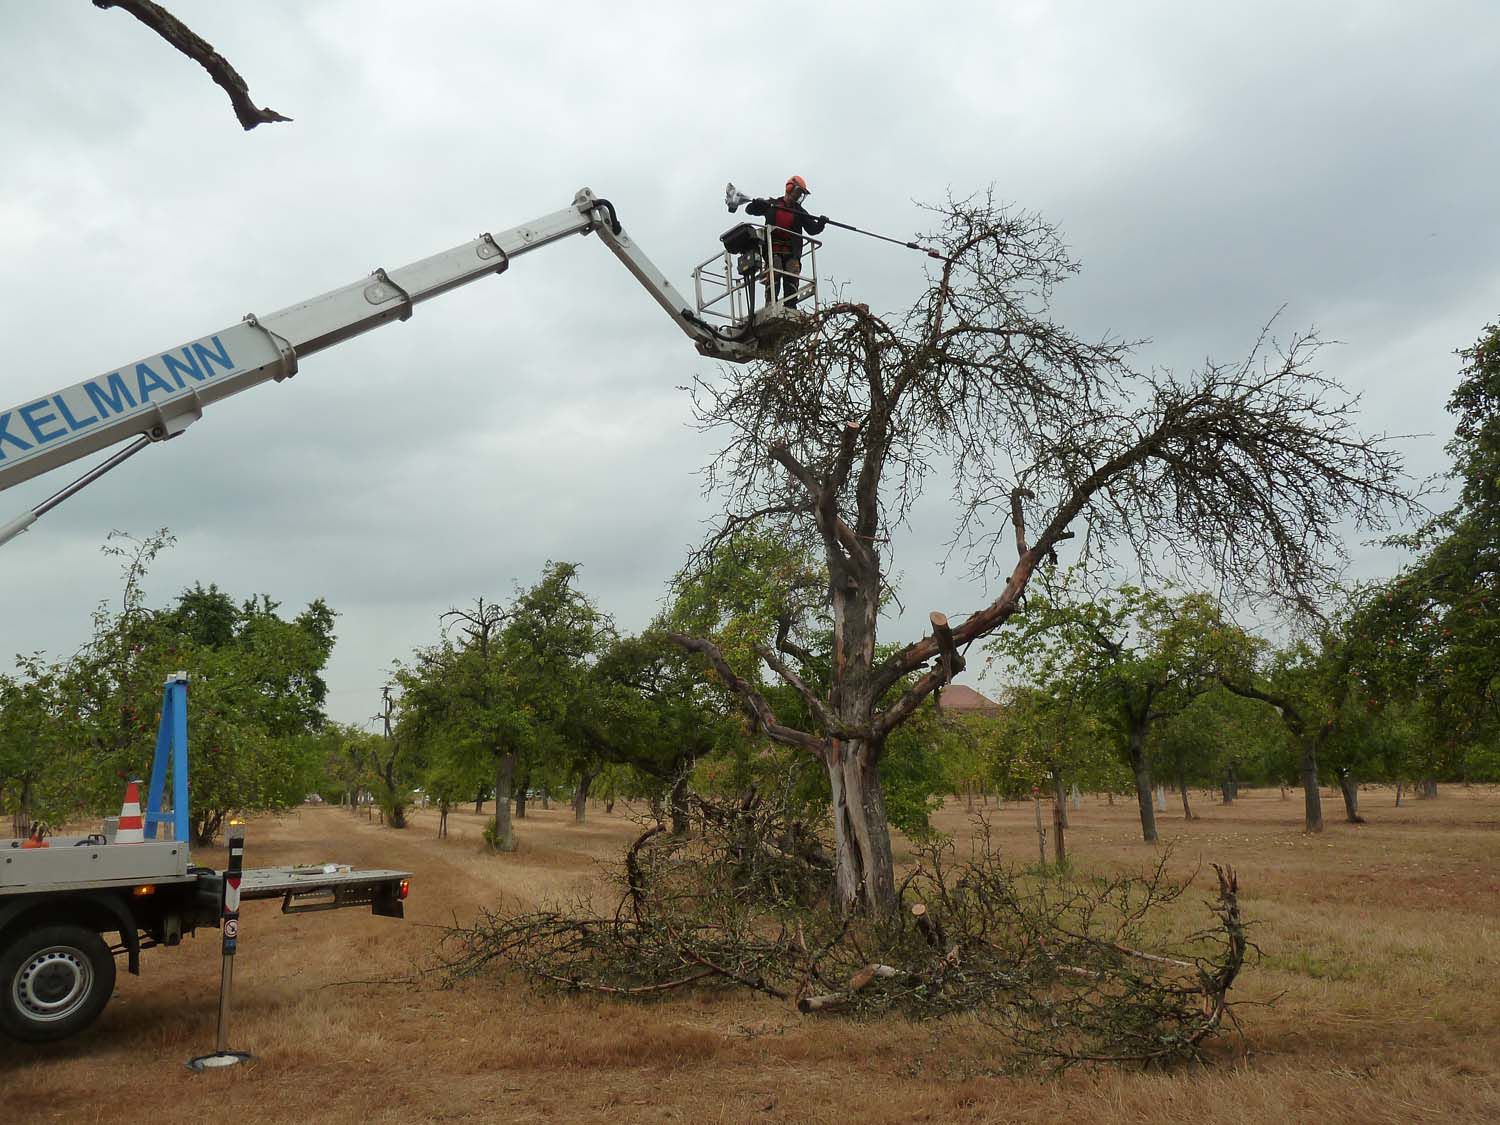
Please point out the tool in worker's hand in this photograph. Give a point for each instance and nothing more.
(734, 199)
(886, 238)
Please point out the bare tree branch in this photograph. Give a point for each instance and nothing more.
(180, 36)
(753, 701)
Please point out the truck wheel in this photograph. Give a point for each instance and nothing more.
(53, 982)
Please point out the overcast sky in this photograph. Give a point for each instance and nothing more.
(1208, 163)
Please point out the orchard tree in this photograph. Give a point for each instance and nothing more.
(465, 688)
(1136, 656)
(1442, 613)
(42, 778)
(650, 709)
(1316, 684)
(504, 684)
(1248, 470)
(1050, 737)
(553, 635)
(1218, 738)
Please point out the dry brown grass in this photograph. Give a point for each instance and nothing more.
(1380, 939)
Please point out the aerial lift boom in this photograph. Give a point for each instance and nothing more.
(161, 395)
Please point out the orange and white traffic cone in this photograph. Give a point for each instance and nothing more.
(132, 828)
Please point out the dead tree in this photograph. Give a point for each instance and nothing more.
(1245, 469)
(179, 35)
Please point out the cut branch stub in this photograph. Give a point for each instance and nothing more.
(1018, 517)
(951, 660)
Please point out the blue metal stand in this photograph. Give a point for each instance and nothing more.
(171, 754)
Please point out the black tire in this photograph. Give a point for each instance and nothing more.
(54, 982)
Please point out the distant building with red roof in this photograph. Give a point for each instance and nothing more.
(963, 700)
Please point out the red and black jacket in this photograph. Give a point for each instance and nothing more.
(786, 217)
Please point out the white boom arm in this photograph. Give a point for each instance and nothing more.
(159, 396)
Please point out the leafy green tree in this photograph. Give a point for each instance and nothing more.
(650, 709)
(553, 635)
(41, 776)
(1216, 740)
(1442, 613)
(510, 686)
(1136, 656)
(256, 692)
(462, 693)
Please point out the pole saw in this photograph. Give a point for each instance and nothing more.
(734, 199)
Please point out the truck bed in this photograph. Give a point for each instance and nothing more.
(69, 865)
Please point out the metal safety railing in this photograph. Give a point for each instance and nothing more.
(747, 277)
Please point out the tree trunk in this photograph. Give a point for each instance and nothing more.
(581, 796)
(1141, 768)
(864, 869)
(546, 798)
(206, 827)
(1182, 787)
(443, 820)
(1228, 787)
(1059, 825)
(397, 811)
(1312, 799)
(1060, 797)
(523, 788)
(479, 804)
(1351, 798)
(1400, 785)
(609, 805)
(505, 769)
(678, 802)
(21, 822)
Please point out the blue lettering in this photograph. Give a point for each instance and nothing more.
(177, 368)
(221, 356)
(106, 401)
(148, 381)
(33, 423)
(7, 436)
(73, 423)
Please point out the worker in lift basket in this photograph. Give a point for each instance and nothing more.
(788, 220)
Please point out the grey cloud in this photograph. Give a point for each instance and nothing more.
(1207, 164)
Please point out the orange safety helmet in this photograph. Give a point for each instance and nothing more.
(797, 182)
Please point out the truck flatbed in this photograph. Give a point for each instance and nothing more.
(319, 888)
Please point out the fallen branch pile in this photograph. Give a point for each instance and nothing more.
(1064, 971)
